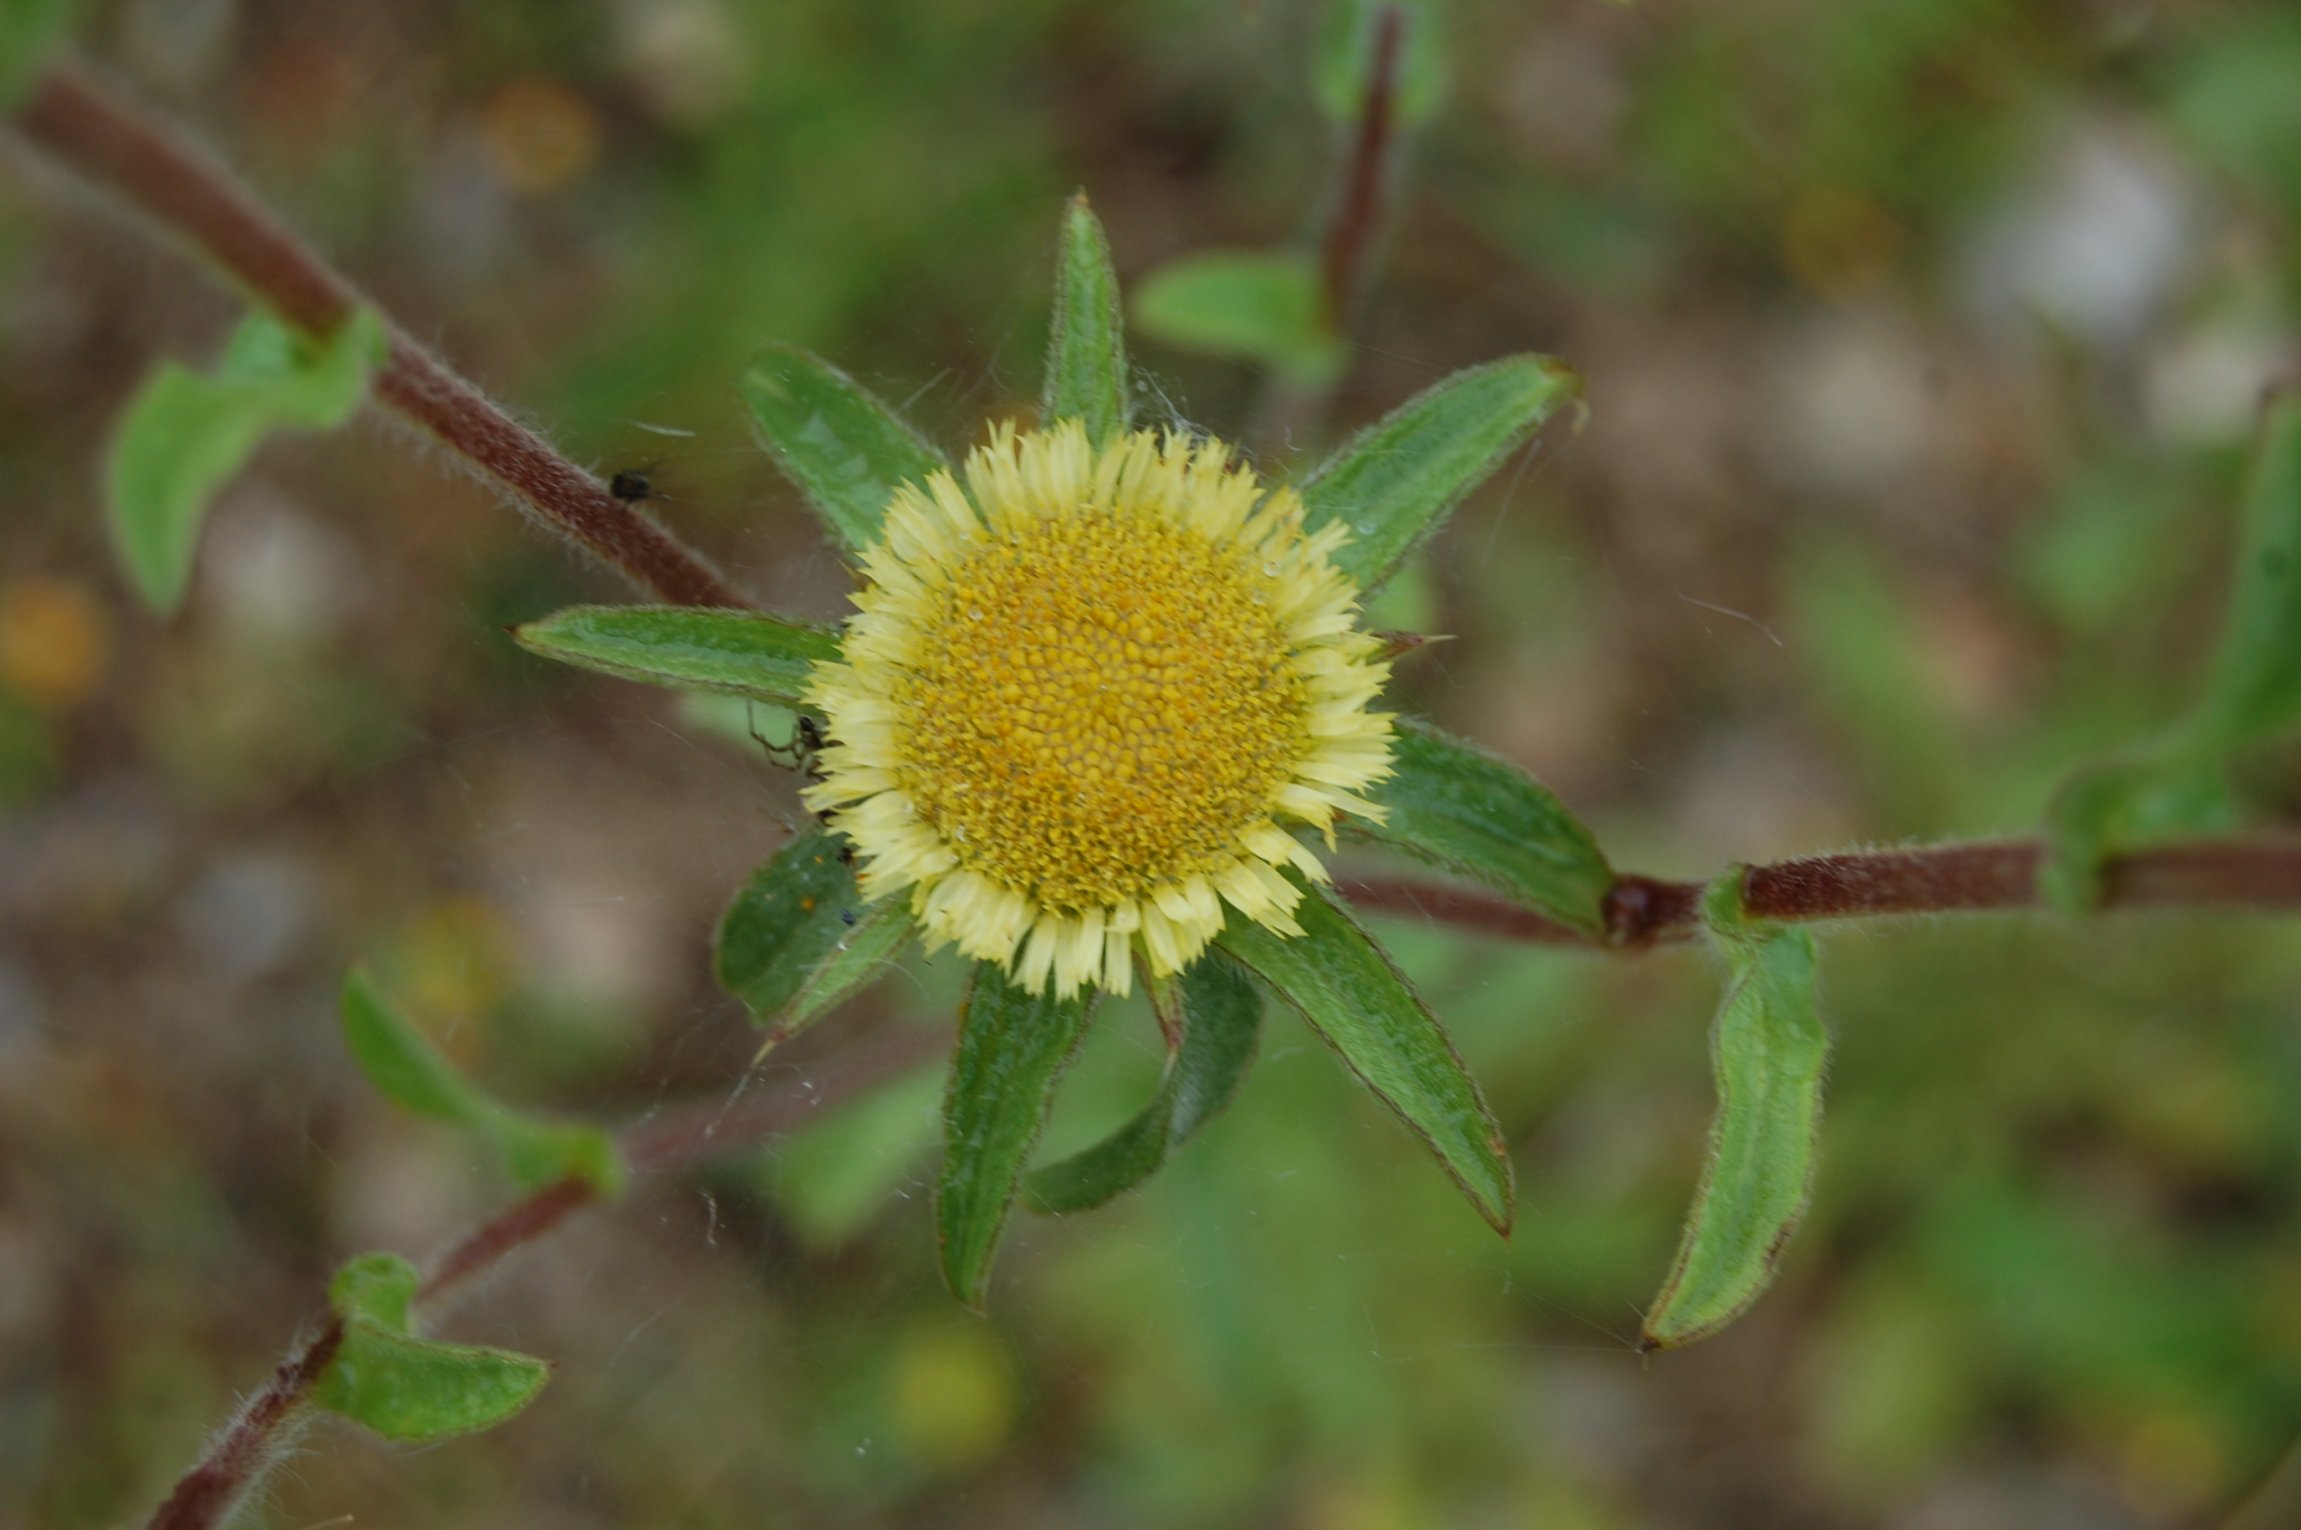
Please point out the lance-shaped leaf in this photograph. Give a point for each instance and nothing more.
(741, 652)
(845, 450)
(799, 937)
(1360, 1004)
(1456, 806)
(1396, 481)
(405, 1068)
(2173, 785)
(1215, 1013)
(1012, 1050)
(1087, 349)
(1262, 306)
(406, 1388)
(185, 433)
(1767, 1050)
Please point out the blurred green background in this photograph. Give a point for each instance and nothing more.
(1924, 339)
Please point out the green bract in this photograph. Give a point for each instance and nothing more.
(799, 937)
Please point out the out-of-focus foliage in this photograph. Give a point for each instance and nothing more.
(1923, 340)
(407, 1069)
(186, 433)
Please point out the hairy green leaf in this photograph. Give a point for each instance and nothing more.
(185, 433)
(1087, 350)
(1252, 305)
(1360, 1004)
(1013, 1048)
(405, 1068)
(1215, 1011)
(741, 652)
(1396, 481)
(411, 1389)
(1456, 806)
(799, 937)
(845, 450)
(1767, 1050)
(29, 33)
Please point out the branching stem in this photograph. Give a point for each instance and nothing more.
(1356, 220)
(1935, 879)
(203, 206)
(253, 1441)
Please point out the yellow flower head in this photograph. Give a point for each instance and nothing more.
(1083, 696)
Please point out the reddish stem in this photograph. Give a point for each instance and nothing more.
(252, 1442)
(248, 1444)
(199, 202)
(1939, 879)
(1358, 207)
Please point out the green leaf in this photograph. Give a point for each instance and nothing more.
(1217, 1013)
(741, 652)
(29, 33)
(1456, 806)
(2255, 687)
(1767, 1050)
(1396, 481)
(375, 1288)
(1013, 1048)
(1260, 307)
(406, 1388)
(844, 449)
(832, 1178)
(1359, 1003)
(405, 1068)
(1087, 350)
(2111, 805)
(185, 434)
(538, 1151)
(2174, 785)
(1345, 59)
(400, 1061)
(798, 938)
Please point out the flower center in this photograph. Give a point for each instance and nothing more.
(1101, 700)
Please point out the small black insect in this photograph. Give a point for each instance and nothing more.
(810, 734)
(631, 485)
(846, 916)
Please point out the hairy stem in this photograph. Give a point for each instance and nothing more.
(255, 1440)
(1935, 879)
(197, 201)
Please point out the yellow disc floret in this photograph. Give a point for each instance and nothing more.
(1081, 696)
